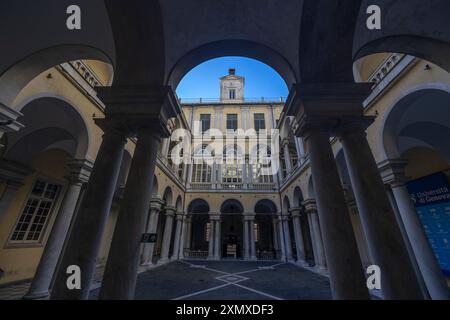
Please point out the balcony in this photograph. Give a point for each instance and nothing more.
(205, 186)
(207, 101)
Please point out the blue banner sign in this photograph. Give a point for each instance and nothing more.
(431, 196)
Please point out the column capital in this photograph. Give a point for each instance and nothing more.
(393, 171)
(170, 211)
(284, 218)
(310, 206)
(137, 107)
(180, 216)
(323, 106)
(13, 173)
(296, 212)
(156, 204)
(80, 170)
(249, 217)
(214, 216)
(285, 142)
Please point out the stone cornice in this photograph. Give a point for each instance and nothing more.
(13, 172)
(139, 107)
(323, 106)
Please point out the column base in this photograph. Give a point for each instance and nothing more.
(302, 263)
(163, 261)
(213, 258)
(37, 296)
(253, 259)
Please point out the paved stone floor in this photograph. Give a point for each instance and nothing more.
(230, 280)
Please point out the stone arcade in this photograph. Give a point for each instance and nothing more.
(365, 121)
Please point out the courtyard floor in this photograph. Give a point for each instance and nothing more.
(230, 280)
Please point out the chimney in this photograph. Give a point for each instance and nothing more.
(231, 72)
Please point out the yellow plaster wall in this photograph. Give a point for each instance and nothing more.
(20, 261)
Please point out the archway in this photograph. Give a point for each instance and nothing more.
(415, 137)
(267, 247)
(232, 229)
(197, 237)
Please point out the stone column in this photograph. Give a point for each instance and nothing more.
(287, 238)
(251, 236)
(182, 237)
(276, 241)
(300, 150)
(176, 245)
(79, 174)
(165, 148)
(217, 236)
(245, 183)
(121, 269)
(84, 240)
(167, 236)
(313, 242)
(393, 172)
(318, 108)
(145, 111)
(319, 252)
(211, 238)
(246, 240)
(344, 263)
(300, 245)
(188, 232)
(152, 225)
(281, 238)
(386, 246)
(287, 156)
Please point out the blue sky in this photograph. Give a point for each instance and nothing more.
(260, 79)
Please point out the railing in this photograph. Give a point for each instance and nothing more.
(195, 254)
(231, 186)
(201, 186)
(218, 100)
(267, 255)
(262, 186)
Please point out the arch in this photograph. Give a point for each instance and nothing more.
(232, 206)
(51, 43)
(413, 120)
(50, 122)
(311, 192)
(179, 204)
(168, 196)
(155, 188)
(286, 205)
(298, 197)
(198, 206)
(427, 37)
(232, 47)
(265, 206)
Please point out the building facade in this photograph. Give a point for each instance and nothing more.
(221, 209)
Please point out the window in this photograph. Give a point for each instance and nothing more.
(205, 119)
(232, 94)
(35, 215)
(232, 122)
(260, 122)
